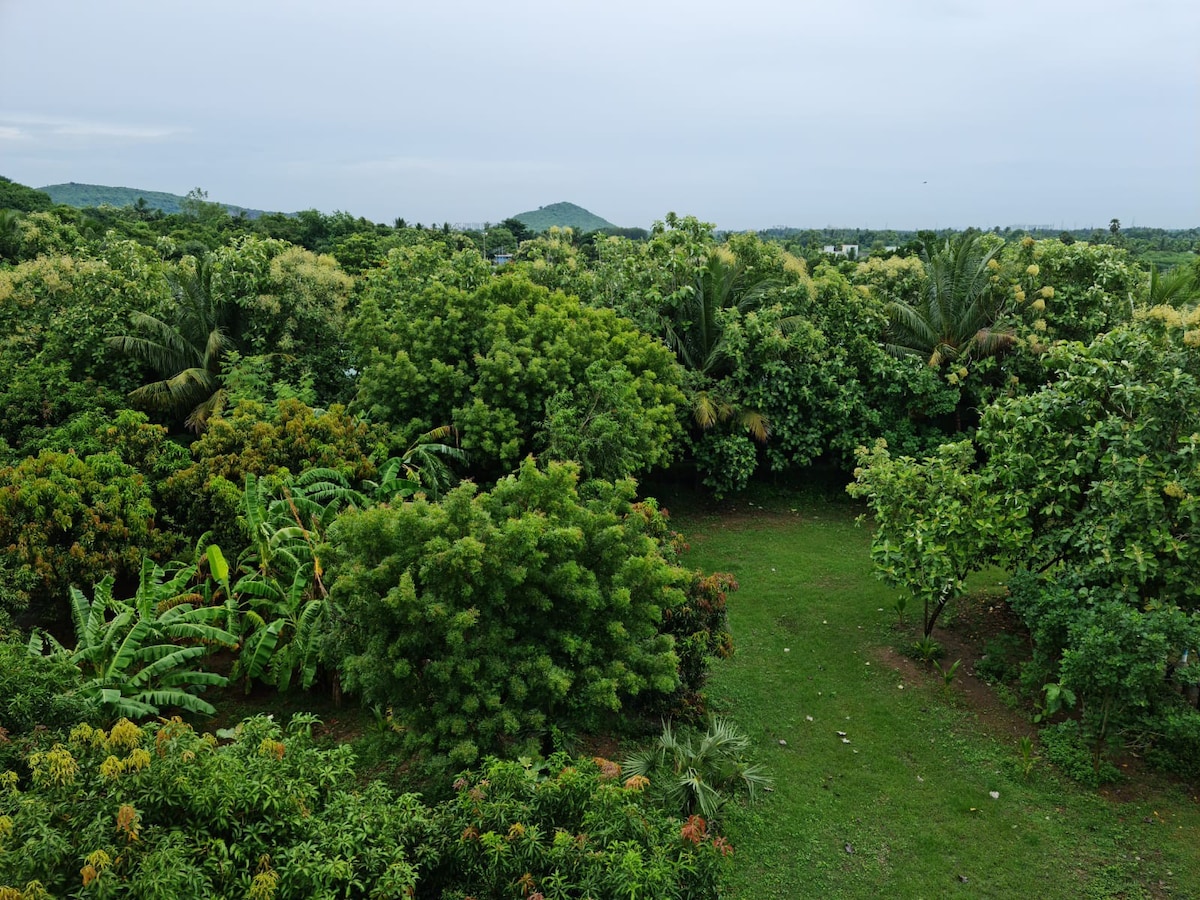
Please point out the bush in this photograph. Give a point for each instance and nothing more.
(482, 619)
(68, 521)
(514, 368)
(1174, 737)
(35, 693)
(161, 811)
(568, 829)
(1066, 746)
(284, 438)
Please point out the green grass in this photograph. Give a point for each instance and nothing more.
(909, 794)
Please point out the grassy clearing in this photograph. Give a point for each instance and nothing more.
(904, 806)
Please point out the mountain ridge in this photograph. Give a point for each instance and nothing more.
(82, 196)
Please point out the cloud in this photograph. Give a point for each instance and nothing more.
(18, 126)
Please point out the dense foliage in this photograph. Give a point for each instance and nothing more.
(1085, 487)
(484, 619)
(161, 811)
(1066, 411)
(510, 358)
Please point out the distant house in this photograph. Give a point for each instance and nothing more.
(850, 251)
(501, 258)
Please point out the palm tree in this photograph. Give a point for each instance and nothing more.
(694, 329)
(954, 319)
(698, 773)
(188, 350)
(1178, 287)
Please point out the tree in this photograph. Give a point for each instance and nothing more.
(954, 319)
(934, 521)
(1086, 489)
(66, 520)
(289, 306)
(1177, 288)
(56, 312)
(269, 441)
(187, 346)
(133, 663)
(482, 620)
(489, 363)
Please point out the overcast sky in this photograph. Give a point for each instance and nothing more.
(749, 114)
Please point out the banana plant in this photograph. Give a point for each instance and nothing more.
(278, 602)
(137, 655)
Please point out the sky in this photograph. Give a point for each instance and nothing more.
(754, 114)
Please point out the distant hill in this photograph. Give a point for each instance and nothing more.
(563, 215)
(82, 196)
(22, 198)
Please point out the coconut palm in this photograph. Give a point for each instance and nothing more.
(1178, 287)
(954, 319)
(694, 328)
(187, 349)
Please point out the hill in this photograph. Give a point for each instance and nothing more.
(85, 195)
(21, 198)
(563, 215)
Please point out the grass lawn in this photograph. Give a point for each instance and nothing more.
(904, 806)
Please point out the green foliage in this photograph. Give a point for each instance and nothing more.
(1000, 662)
(70, 521)
(727, 461)
(954, 317)
(288, 306)
(697, 774)
(1071, 292)
(21, 198)
(276, 440)
(55, 314)
(484, 618)
(278, 606)
(1173, 738)
(1101, 461)
(1066, 746)
(927, 650)
(599, 424)
(132, 663)
(567, 829)
(490, 362)
(935, 522)
(186, 346)
(700, 626)
(36, 691)
(161, 811)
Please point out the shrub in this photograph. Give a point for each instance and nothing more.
(482, 619)
(161, 811)
(696, 774)
(568, 829)
(68, 521)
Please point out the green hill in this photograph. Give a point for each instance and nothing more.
(22, 198)
(85, 195)
(564, 215)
